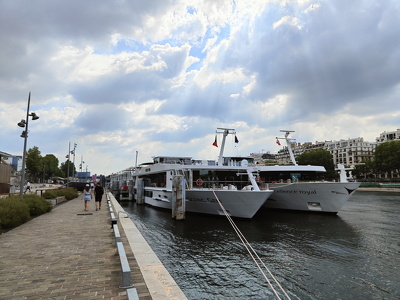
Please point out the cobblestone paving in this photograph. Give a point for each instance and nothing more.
(65, 254)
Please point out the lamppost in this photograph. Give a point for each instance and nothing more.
(82, 162)
(24, 124)
(73, 152)
(68, 156)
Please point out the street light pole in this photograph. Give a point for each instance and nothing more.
(24, 123)
(69, 150)
(69, 160)
(74, 158)
(82, 162)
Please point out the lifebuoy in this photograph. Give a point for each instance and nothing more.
(199, 182)
(273, 181)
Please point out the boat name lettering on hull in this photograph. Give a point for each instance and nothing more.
(193, 199)
(296, 192)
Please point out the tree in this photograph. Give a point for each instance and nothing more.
(387, 157)
(50, 167)
(34, 163)
(44, 168)
(64, 168)
(318, 157)
(365, 170)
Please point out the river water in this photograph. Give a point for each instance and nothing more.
(353, 255)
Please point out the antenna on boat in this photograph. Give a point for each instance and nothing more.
(289, 145)
(225, 132)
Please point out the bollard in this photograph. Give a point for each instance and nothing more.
(140, 191)
(178, 197)
(131, 186)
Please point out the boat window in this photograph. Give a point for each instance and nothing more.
(155, 180)
(295, 177)
(284, 176)
(216, 179)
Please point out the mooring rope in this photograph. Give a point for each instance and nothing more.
(253, 253)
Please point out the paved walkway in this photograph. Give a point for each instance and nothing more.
(65, 254)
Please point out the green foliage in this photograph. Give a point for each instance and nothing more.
(37, 205)
(64, 168)
(13, 212)
(34, 163)
(366, 170)
(319, 157)
(44, 168)
(50, 194)
(50, 166)
(387, 157)
(69, 193)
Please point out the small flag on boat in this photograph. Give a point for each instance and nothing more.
(215, 142)
(236, 140)
(277, 141)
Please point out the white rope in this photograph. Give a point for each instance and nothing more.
(253, 253)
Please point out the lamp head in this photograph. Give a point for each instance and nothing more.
(22, 123)
(34, 116)
(24, 134)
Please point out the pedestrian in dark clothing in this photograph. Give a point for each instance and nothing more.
(98, 194)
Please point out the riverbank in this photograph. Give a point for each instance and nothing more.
(379, 189)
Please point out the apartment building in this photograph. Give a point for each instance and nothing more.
(5, 173)
(351, 151)
(263, 157)
(388, 136)
(348, 152)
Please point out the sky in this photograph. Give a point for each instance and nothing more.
(128, 80)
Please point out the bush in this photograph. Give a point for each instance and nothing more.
(50, 194)
(69, 193)
(13, 212)
(37, 205)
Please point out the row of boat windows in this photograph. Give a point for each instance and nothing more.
(212, 179)
(293, 176)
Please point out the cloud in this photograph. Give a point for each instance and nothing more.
(331, 60)
(159, 77)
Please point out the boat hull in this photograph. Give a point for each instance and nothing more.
(322, 197)
(241, 204)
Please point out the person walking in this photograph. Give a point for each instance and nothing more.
(87, 196)
(28, 187)
(98, 194)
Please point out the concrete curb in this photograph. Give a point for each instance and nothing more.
(160, 283)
